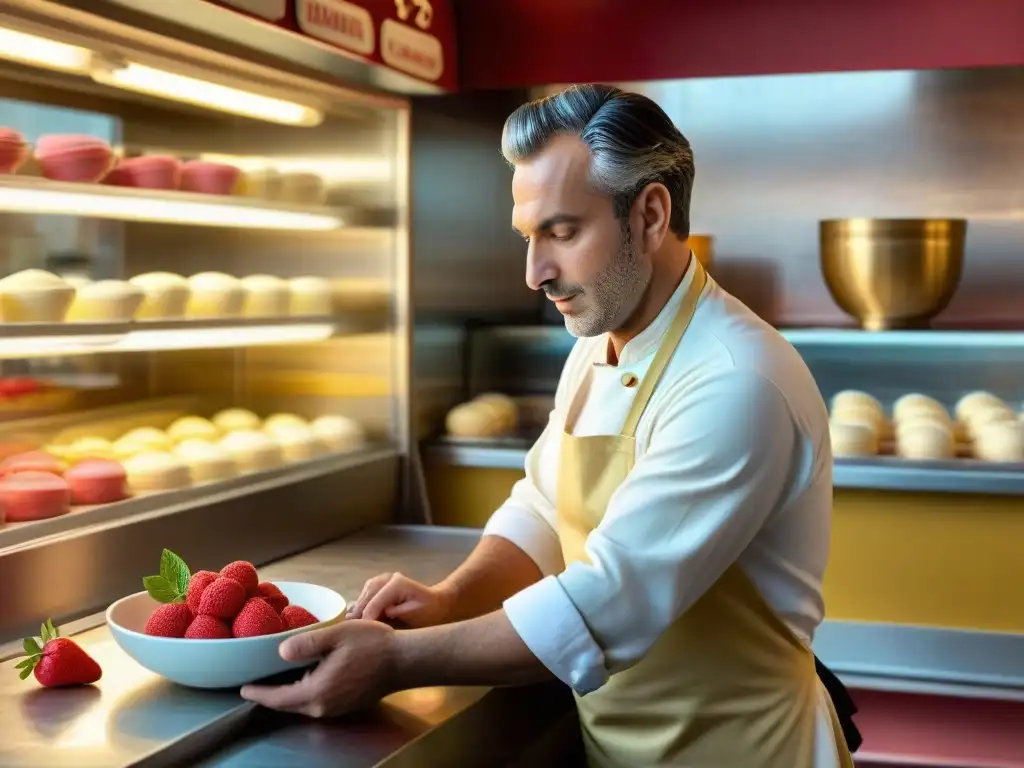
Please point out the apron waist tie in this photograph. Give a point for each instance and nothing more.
(843, 704)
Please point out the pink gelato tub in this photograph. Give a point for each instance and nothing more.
(70, 157)
(209, 178)
(147, 172)
(13, 150)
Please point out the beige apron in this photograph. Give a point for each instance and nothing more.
(728, 684)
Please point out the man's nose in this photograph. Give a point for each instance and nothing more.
(540, 268)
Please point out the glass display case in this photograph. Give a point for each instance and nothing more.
(203, 306)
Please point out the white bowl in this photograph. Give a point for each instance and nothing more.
(216, 663)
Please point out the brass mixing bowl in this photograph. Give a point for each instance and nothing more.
(892, 273)
(703, 247)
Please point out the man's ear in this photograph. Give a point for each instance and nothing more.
(653, 212)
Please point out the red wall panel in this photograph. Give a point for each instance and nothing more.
(516, 43)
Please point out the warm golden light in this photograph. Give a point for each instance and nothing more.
(202, 93)
(140, 339)
(220, 338)
(28, 195)
(341, 170)
(43, 52)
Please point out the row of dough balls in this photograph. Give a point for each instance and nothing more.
(37, 296)
(487, 416)
(922, 428)
(196, 450)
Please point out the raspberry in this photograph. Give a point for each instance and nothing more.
(256, 618)
(295, 616)
(169, 620)
(244, 573)
(208, 628)
(272, 595)
(200, 581)
(223, 599)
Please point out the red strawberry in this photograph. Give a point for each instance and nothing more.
(60, 662)
(295, 616)
(208, 628)
(200, 580)
(223, 599)
(272, 595)
(256, 618)
(169, 620)
(244, 573)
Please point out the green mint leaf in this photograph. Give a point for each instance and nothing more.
(32, 647)
(162, 590)
(174, 569)
(54, 632)
(25, 672)
(29, 662)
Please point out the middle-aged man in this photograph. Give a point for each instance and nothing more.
(665, 552)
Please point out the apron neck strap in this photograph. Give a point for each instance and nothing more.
(668, 345)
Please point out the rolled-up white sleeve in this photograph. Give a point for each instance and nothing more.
(527, 518)
(718, 461)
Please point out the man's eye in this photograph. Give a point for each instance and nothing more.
(563, 234)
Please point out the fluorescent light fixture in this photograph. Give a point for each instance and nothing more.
(23, 347)
(221, 338)
(27, 195)
(43, 52)
(162, 339)
(329, 168)
(202, 93)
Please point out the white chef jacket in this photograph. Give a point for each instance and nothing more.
(733, 463)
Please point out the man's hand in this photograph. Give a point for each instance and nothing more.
(355, 671)
(364, 661)
(392, 596)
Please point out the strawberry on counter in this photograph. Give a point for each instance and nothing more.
(60, 662)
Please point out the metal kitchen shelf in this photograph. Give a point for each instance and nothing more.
(884, 473)
(903, 340)
(31, 195)
(16, 535)
(24, 340)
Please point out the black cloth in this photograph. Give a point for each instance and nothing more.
(843, 702)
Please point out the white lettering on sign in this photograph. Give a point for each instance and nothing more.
(424, 11)
(272, 10)
(411, 51)
(335, 21)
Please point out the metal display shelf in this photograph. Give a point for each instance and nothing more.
(15, 535)
(28, 194)
(881, 473)
(850, 337)
(20, 340)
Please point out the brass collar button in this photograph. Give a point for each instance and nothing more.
(630, 380)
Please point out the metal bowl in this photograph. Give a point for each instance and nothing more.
(892, 273)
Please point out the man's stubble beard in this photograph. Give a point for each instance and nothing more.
(616, 292)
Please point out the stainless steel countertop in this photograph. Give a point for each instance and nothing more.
(885, 473)
(132, 717)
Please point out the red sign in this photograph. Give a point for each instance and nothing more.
(274, 11)
(415, 37)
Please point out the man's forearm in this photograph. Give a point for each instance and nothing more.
(481, 651)
(494, 571)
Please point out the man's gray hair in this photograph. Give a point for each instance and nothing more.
(632, 143)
